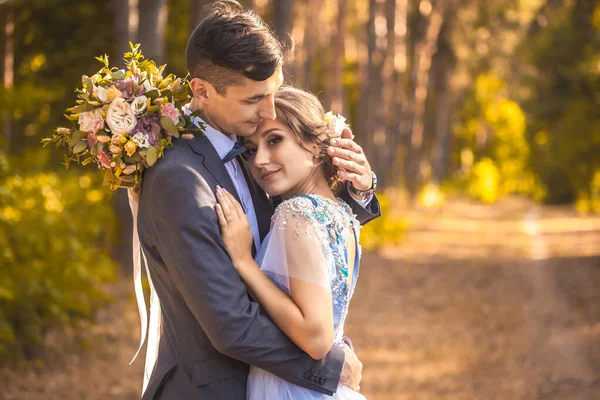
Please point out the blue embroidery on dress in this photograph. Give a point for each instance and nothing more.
(332, 222)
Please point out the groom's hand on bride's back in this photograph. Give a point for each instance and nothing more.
(352, 372)
(349, 157)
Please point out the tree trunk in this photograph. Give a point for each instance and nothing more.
(336, 91)
(386, 113)
(373, 121)
(365, 119)
(309, 44)
(197, 13)
(400, 61)
(282, 18)
(122, 29)
(152, 26)
(443, 138)
(9, 60)
(424, 52)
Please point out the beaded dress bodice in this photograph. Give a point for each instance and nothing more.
(332, 224)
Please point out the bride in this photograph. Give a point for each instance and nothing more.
(306, 268)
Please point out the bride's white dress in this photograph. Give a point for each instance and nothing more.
(307, 241)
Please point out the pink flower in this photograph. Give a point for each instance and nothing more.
(91, 141)
(104, 160)
(169, 110)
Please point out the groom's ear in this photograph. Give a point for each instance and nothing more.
(201, 89)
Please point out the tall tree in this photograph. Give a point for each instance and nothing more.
(152, 26)
(305, 71)
(335, 94)
(197, 12)
(122, 28)
(9, 59)
(447, 95)
(370, 119)
(424, 52)
(282, 18)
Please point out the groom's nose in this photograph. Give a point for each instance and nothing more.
(267, 109)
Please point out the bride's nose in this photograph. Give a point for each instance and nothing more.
(261, 157)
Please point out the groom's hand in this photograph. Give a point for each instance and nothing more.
(352, 372)
(350, 158)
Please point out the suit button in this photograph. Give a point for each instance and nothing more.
(322, 380)
(307, 375)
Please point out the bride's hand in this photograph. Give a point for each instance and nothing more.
(235, 228)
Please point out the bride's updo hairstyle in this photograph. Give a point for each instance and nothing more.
(303, 113)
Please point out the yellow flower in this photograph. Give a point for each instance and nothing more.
(113, 93)
(130, 147)
(123, 139)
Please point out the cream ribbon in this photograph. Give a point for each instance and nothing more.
(153, 331)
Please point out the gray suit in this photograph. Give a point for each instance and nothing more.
(211, 329)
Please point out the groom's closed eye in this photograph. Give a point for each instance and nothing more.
(250, 151)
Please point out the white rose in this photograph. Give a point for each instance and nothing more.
(120, 117)
(141, 140)
(138, 105)
(101, 94)
(148, 87)
(91, 121)
(336, 123)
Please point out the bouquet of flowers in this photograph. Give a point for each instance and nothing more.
(125, 119)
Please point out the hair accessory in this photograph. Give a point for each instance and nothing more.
(335, 123)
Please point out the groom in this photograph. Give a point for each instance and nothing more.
(211, 330)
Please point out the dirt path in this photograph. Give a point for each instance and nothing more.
(479, 303)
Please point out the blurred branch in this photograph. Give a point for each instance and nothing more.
(9, 58)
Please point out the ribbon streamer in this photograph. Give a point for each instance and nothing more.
(152, 331)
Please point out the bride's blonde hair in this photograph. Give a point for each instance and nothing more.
(303, 113)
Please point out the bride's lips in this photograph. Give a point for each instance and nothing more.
(266, 175)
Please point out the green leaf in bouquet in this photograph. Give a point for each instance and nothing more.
(127, 178)
(169, 126)
(74, 140)
(87, 83)
(79, 147)
(87, 161)
(130, 169)
(181, 94)
(81, 134)
(103, 60)
(118, 75)
(108, 178)
(166, 82)
(72, 117)
(152, 156)
(134, 159)
(77, 109)
(152, 94)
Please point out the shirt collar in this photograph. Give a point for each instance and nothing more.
(219, 140)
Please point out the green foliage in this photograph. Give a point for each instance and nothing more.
(55, 231)
(563, 81)
(493, 136)
(388, 230)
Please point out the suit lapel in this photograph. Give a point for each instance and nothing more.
(213, 163)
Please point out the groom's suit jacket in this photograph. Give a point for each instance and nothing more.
(211, 330)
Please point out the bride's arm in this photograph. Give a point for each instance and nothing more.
(307, 316)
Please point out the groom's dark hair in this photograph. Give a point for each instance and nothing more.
(231, 43)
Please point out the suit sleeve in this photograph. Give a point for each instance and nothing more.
(363, 214)
(188, 238)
